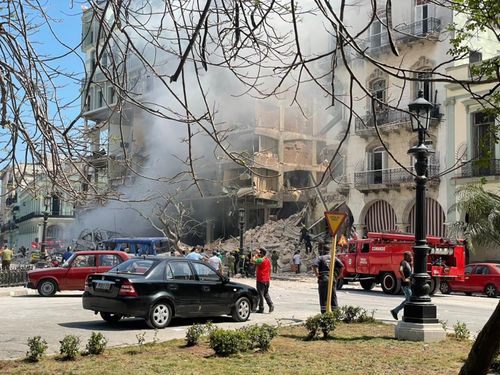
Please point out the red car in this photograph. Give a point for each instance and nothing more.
(72, 274)
(479, 278)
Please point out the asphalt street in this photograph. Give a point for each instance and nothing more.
(54, 317)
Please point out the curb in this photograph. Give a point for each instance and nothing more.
(15, 293)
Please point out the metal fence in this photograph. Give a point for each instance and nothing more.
(393, 176)
(14, 277)
(481, 169)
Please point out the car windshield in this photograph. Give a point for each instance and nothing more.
(134, 266)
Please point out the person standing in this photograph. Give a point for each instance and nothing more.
(193, 255)
(297, 261)
(274, 261)
(306, 237)
(321, 268)
(231, 271)
(6, 258)
(405, 270)
(263, 279)
(215, 262)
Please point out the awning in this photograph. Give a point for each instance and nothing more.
(435, 218)
(380, 217)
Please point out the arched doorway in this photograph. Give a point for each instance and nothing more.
(380, 217)
(434, 216)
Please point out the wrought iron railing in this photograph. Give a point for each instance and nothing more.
(407, 33)
(14, 277)
(390, 177)
(481, 168)
(389, 117)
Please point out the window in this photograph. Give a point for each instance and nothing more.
(468, 270)
(377, 162)
(481, 270)
(423, 11)
(365, 248)
(205, 273)
(378, 89)
(423, 83)
(84, 261)
(483, 135)
(352, 247)
(475, 56)
(378, 32)
(109, 260)
(179, 271)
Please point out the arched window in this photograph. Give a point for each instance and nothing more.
(378, 89)
(423, 83)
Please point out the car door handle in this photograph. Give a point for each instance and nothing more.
(172, 287)
(205, 288)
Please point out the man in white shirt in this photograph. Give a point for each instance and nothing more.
(215, 262)
(297, 261)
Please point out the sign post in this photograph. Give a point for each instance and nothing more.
(334, 221)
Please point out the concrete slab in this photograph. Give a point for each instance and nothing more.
(420, 332)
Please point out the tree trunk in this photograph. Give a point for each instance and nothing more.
(484, 348)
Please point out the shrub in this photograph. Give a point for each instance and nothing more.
(69, 347)
(322, 322)
(354, 314)
(36, 348)
(194, 333)
(226, 343)
(461, 331)
(96, 344)
(260, 336)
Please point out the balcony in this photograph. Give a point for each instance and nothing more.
(480, 169)
(424, 29)
(389, 120)
(390, 178)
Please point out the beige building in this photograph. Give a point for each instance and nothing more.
(470, 138)
(378, 192)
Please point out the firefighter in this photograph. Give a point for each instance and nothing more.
(321, 268)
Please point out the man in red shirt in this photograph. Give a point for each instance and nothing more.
(263, 272)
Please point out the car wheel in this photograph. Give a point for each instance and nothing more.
(367, 284)
(47, 288)
(390, 284)
(242, 309)
(160, 315)
(491, 291)
(445, 288)
(110, 318)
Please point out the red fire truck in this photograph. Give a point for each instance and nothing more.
(375, 260)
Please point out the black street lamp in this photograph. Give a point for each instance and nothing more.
(46, 201)
(241, 217)
(420, 309)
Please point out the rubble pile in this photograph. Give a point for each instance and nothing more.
(281, 236)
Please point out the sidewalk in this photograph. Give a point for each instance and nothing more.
(16, 291)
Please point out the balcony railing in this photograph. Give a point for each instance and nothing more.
(407, 33)
(481, 169)
(390, 177)
(390, 117)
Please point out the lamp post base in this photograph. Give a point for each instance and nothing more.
(429, 332)
(420, 312)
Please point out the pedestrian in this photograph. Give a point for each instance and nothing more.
(231, 271)
(306, 237)
(215, 262)
(243, 264)
(274, 261)
(194, 255)
(405, 270)
(237, 261)
(321, 268)
(67, 254)
(6, 258)
(263, 279)
(297, 261)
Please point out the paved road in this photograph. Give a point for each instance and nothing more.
(52, 318)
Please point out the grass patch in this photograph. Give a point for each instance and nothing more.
(354, 349)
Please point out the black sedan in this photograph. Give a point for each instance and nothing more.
(158, 289)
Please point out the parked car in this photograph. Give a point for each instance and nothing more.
(158, 289)
(479, 278)
(72, 274)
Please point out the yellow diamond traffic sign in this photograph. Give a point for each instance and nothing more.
(334, 220)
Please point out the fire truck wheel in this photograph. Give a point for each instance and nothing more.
(390, 283)
(445, 288)
(491, 291)
(367, 284)
(434, 284)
